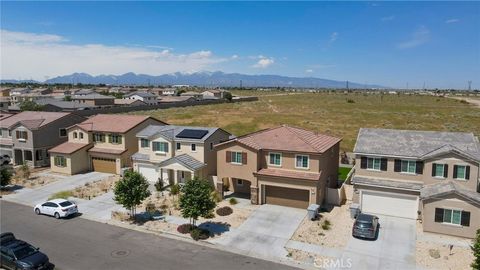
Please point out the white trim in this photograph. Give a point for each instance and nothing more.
(308, 162)
(276, 165)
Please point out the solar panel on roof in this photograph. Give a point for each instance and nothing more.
(192, 133)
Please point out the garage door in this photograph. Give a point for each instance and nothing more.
(286, 196)
(104, 165)
(389, 204)
(149, 172)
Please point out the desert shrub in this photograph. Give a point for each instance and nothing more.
(199, 234)
(224, 211)
(210, 215)
(185, 228)
(350, 101)
(216, 196)
(5, 177)
(326, 225)
(233, 201)
(159, 185)
(174, 189)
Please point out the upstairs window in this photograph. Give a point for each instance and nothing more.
(81, 135)
(74, 135)
(236, 157)
(21, 135)
(160, 147)
(144, 143)
(194, 147)
(374, 163)
(439, 170)
(301, 162)
(178, 146)
(461, 172)
(115, 138)
(98, 137)
(63, 132)
(275, 159)
(408, 166)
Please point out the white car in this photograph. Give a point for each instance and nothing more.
(57, 208)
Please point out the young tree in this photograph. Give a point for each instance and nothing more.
(67, 98)
(131, 190)
(476, 251)
(30, 106)
(228, 96)
(5, 177)
(196, 200)
(25, 169)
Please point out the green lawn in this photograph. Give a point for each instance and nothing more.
(342, 173)
(337, 114)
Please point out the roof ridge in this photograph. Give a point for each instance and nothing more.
(300, 137)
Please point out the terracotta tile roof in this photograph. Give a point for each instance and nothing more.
(112, 122)
(106, 150)
(289, 174)
(68, 148)
(32, 119)
(287, 138)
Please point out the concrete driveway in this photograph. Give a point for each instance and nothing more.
(394, 248)
(34, 196)
(265, 232)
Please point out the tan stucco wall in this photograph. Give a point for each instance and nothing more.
(450, 202)
(246, 171)
(328, 165)
(210, 155)
(77, 162)
(288, 161)
(156, 157)
(87, 137)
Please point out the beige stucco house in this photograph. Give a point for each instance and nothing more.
(175, 154)
(285, 165)
(426, 175)
(103, 143)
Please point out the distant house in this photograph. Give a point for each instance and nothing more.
(83, 92)
(217, 93)
(42, 91)
(174, 99)
(94, 99)
(164, 91)
(128, 102)
(5, 92)
(196, 95)
(19, 91)
(4, 103)
(55, 105)
(31, 96)
(146, 97)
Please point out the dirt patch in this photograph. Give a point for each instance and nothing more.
(314, 232)
(309, 258)
(436, 254)
(97, 188)
(38, 177)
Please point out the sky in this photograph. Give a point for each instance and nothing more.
(395, 44)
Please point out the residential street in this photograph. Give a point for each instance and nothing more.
(78, 243)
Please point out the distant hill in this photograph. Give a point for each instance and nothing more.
(207, 79)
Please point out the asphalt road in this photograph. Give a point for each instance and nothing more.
(83, 244)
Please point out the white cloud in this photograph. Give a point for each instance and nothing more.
(264, 62)
(419, 37)
(388, 18)
(309, 71)
(452, 21)
(30, 55)
(333, 37)
(234, 57)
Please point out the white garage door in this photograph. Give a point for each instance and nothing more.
(389, 204)
(150, 172)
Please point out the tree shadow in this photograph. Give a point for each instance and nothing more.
(215, 228)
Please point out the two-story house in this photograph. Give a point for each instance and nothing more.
(174, 154)
(427, 175)
(27, 136)
(285, 165)
(94, 99)
(146, 97)
(103, 143)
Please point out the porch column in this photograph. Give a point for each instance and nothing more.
(254, 195)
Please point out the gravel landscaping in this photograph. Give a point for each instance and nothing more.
(38, 177)
(97, 188)
(306, 257)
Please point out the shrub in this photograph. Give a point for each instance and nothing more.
(326, 225)
(233, 201)
(61, 195)
(224, 211)
(174, 189)
(476, 251)
(350, 101)
(185, 228)
(159, 185)
(5, 177)
(25, 171)
(199, 234)
(216, 197)
(210, 215)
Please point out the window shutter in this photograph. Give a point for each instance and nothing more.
(363, 162)
(465, 218)
(434, 168)
(120, 139)
(455, 168)
(439, 215)
(244, 158)
(445, 170)
(419, 167)
(17, 134)
(229, 156)
(166, 147)
(398, 165)
(383, 165)
(467, 172)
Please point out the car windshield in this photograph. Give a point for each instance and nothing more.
(65, 204)
(364, 224)
(24, 251)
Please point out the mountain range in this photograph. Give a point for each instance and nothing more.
(208, 79)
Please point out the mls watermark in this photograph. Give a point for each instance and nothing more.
(333, 263)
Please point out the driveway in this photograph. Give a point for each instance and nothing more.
(394, 248)
(34, 196)
(265, 232)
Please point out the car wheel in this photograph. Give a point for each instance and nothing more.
(57, 215)
(37, 211)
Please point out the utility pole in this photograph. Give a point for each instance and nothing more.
(241, 84)
(469, 85)
(347, 85)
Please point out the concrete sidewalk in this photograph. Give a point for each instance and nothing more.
(99, 208)
(315, 249)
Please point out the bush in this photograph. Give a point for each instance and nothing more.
(185, 228)
(326, 225)
(350, 101)
(233, 201)
(210, 215)
(159, 185)
(216, 196)
(224, 211)
(199, 234)
(5, 177)
(476, 251)
(174, 189)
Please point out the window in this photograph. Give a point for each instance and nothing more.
(81, 135)
(451, 216)
(74, 135)
(178, 146)
(439, 170)
(160, 147)
(22, 135)
(461, 172)
(236, 157)
(98, 137)
(28, 155)
(60, 161)
(374, 164)
(301, 162)
(9, 133)
(144, 143)
(194, 147)
(115, 138)
(39, 154)
(211, 146)
(408, 166)
(275, 159)
(63, 132)
(239, 182)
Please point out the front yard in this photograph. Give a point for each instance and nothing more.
(88, 190)
(38, 177)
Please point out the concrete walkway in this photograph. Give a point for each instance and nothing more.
(99, 208)
(38, 195)
(266, 232)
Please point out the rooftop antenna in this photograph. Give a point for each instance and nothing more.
(469, 85)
